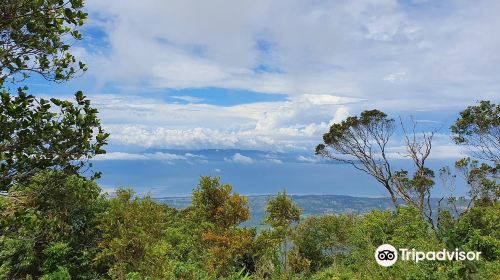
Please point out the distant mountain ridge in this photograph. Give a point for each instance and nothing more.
(311, 204)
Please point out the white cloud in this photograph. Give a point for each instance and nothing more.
(272, 158)
(428, 121)
(447, 152)
(148, 122)
(392, 78)
(146, 156)
(111, 191)
(190, 155)
(308, 159)
(239, 158)
(376, 50)
(438, 152)
(335, 58)
(190, 99)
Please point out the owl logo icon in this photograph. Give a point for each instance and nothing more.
(386, 255)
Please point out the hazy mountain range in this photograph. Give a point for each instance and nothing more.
(175, 172)
(311, 204)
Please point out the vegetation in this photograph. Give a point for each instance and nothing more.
(282, 213)
(36, 38)
(39, 134)
(55, 222)
(362, 142)
(61, 227)
(479, 128)
(50, 226)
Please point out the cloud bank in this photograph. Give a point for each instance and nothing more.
(378, 50)
(330, 59)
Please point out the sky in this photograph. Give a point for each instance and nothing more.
(263, 80)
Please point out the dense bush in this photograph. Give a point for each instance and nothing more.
(50, 226)
(62, 228)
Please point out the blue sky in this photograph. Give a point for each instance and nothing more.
(273, 76)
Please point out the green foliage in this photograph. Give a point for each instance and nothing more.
(421, 181)
(475, 230)
(229, 250)
(183, 233)
(55, 224)
(268, 264)
(126, 237)
(479, 128)
(481, 178)
(479, 230)
(403, 229)
(216, 204)
(38, 134)
(282, 214)
(240, 275)
(371, 121)
(60, 274)
(407, 229)
(55, 255)
(222, 211)
(132, 237)
(321, 239)
(36, 38)
(49, 226)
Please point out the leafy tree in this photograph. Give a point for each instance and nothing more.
(478, 229)
(478, 128)
(48, 226)
(404, 228)
(183, 233)
(228, 250)
(474, 230)
(267, 252)
(39, 134)
(35, 37)
(132, 237)
(282, 213)
(217, 204)
(320, 239)
(482, 180)
(223, 210)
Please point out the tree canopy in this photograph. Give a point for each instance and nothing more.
(35, 37)
(478, 128)
(37, 134)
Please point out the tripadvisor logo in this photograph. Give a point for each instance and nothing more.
(386, 255)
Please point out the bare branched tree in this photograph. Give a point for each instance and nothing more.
(362, 142)
(415, 191)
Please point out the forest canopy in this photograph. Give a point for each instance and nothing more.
(56, 221)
